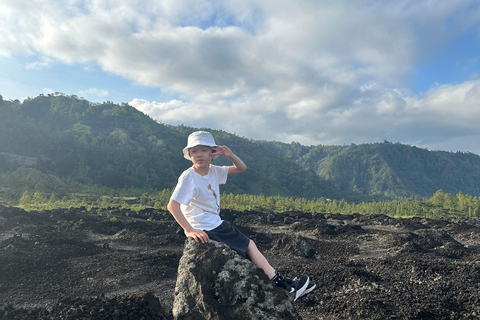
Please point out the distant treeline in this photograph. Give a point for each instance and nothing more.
(441, 204)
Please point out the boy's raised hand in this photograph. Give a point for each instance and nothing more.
(223, 151)
(238, 165)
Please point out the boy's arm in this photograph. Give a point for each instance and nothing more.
(197, 234)
(238, 165)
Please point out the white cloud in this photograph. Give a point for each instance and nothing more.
(94, 92)
(313, 71)
(39, 65)
(48, 91)
(454, 104)
(375, 116)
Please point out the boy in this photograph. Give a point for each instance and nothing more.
(195, 205)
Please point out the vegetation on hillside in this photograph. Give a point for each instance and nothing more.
(441, 204)
(119, 147)
(63, 145)
(388, 170)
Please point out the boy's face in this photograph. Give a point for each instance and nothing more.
(201, 156)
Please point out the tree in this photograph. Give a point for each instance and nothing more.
(38, 198)
(438, 198)
(450, 202)
(462, 201)
(26, 200)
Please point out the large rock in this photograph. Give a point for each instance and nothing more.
(214, 282)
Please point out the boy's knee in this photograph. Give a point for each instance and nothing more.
(251, 246)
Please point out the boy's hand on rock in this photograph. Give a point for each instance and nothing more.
(198, 235)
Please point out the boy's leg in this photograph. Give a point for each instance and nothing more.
(296, 287)
(257, 257)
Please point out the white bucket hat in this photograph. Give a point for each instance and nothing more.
(198, 138)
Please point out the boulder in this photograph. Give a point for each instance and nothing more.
(214, 282)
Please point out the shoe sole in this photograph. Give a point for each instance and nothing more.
(308, 290)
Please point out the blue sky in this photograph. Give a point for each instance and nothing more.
(313, 71)
(459, 61)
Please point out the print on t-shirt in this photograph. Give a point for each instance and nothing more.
(215, 196)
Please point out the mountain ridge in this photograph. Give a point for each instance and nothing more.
(117, 146)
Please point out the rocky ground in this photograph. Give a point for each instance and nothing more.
(75, 264)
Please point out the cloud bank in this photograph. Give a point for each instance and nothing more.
(312, 71)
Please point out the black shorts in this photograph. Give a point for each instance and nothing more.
(229, 235)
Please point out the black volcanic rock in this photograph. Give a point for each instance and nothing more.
(214, 282)
(67, 264)
(131, 306)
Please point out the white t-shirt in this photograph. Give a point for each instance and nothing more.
(199, 196)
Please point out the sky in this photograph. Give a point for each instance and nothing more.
(317, 72)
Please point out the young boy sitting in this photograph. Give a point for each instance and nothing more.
(195, 205)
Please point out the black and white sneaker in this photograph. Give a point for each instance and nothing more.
(309, 288)
(296, 287)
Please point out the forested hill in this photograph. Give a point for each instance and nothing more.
(118, 146)
(389, 169)
(65, 139)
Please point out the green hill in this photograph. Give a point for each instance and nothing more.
(392, 170)
(119, 147)
(56, 139)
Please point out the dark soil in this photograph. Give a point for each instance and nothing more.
(75, 264)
